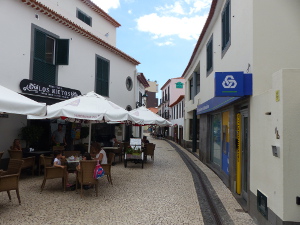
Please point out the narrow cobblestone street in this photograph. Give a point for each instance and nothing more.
(163, 192)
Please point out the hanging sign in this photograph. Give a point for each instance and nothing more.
(232, 84)
(47, 90)
(179, 85)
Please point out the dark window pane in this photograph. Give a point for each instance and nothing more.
(62, 49)
(102, 77)
(50, 43)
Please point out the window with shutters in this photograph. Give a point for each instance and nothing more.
(198, 83)
(48, 52)
(209, 56)
(226, 41)
(102, 76)
(84, 17)
(191, 89)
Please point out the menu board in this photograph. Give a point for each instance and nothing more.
(135, 141)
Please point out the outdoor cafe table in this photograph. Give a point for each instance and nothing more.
(110, 149)
(72, 164)
(37, 155)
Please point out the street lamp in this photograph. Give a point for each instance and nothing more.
(144, 101)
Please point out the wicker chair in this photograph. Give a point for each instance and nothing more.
(70, 153)
(119, 152)
(9, 180)
(47, 159)
(150, 147)
(85, 175)
(29, 162)
(52, 172)
(107, 167)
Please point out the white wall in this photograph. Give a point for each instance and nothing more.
(68, 9)
(79, 74)
(236, 58)
(275, 47)
(10, 130)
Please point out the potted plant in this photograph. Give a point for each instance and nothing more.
(133, 152)
(31, 134)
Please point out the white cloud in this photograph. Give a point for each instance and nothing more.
(200, 5)
(184, 19)
(164, 26)
(129, 11)
(169, 9)
(165, 43)
(107, 5)
(184, 7)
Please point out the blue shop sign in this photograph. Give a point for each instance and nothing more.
(215, 103)
(232, 84)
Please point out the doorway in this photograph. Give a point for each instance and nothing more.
(242, 153)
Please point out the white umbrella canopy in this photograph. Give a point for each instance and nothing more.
(12, 102)
(91, 106)
(144, 116)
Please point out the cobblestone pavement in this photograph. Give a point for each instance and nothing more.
(161, 193)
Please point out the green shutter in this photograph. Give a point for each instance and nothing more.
(102, 77)
(42, 71)
(62, 51)
(39, 45)
(226, 26)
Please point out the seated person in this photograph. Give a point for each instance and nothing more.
(100, 155)
(86, 156)
(114, 141)
(57, 163)
(16, 145)
(145, 140)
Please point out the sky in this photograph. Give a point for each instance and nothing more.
(160, 34)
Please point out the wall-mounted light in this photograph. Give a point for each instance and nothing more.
(144, 101)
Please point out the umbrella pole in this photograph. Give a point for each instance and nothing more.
(90, 134)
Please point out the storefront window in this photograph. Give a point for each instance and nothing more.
(216, 139)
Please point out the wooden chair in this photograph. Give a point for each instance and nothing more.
(150, 147)
(107, 167)
(9, 180)
(71, 153)
(29, 162)
(51, 172)
(85, 175)
(47, 159)
(119, 152)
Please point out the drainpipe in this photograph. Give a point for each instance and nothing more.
(194, 143)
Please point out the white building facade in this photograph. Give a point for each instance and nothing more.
(53, 50)
(240, 101)
(177, 119)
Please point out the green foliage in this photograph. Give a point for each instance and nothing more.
(133, 151)
(31, 134)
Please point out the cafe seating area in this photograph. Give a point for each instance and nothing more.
(40, 164)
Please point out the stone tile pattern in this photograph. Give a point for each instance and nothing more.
(161, 193)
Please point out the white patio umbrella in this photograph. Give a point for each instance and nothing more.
(91, 107)
(12, 102)
(144, 116)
